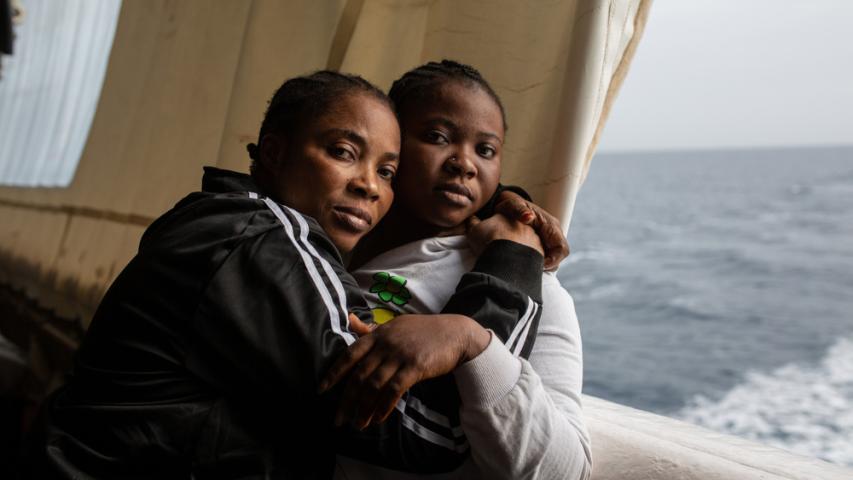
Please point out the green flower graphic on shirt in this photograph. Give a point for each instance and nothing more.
(391, 288)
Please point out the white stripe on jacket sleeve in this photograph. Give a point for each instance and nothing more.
(522, 324)
(330, 273)
(335, 315)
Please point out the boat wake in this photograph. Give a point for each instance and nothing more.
(807, 410)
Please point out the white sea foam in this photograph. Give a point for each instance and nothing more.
(689, 303)
(604, 291)
(595, 254)
(808, 410)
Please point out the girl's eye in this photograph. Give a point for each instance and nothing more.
(341, 152)
(387, 173)
(486, 151)
(436, 137)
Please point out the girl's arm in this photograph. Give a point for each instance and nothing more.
(534, 428)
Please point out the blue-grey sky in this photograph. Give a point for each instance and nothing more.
(738, 73)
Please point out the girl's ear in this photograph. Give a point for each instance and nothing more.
(272, 151)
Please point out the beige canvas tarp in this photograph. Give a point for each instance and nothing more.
(187, 82)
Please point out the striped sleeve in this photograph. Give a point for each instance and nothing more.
(503, 292)
(274, 315)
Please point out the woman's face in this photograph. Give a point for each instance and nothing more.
(451, 155)
(338, 169)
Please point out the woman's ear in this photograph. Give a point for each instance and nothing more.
(272, 151)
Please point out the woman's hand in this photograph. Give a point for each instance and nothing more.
(383, 364)
(547, 226)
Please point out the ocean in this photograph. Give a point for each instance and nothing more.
(717, 287)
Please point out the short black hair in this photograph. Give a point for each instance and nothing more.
(422, 82)
(300, 100)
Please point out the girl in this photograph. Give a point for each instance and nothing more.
(522, 419)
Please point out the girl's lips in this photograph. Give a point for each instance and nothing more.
(455, 193)
(356, 219)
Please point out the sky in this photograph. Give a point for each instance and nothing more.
(738, 74)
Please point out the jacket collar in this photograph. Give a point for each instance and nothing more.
(217, 180)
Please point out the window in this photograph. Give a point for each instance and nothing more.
(50, 87)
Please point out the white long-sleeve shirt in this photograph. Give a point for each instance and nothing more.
(522, 418)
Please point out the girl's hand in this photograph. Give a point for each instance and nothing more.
(547, 226)
(385, 363)
(499, 227)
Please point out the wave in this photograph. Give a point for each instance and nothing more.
(692, 307)
(804, 409)
(593, 254)
(602, 291)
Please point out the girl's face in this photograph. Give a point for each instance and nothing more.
(338, 169)
(451, 153)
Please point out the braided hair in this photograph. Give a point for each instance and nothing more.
(421, 84)
(300, 100)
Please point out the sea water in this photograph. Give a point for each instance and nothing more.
(717, 287)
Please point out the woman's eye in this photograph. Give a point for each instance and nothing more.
(486, 151)
(343, 153)
(387, 173)
(434, 136)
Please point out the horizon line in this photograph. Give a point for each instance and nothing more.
(667, 150)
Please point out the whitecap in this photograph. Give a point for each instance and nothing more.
(605, 291)
(804, 409)
(603, 254)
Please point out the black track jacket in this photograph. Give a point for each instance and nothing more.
(204, 356)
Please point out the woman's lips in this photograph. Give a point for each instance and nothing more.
(356, 219)
(456, 194)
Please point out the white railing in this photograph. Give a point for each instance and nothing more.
(637, 445)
